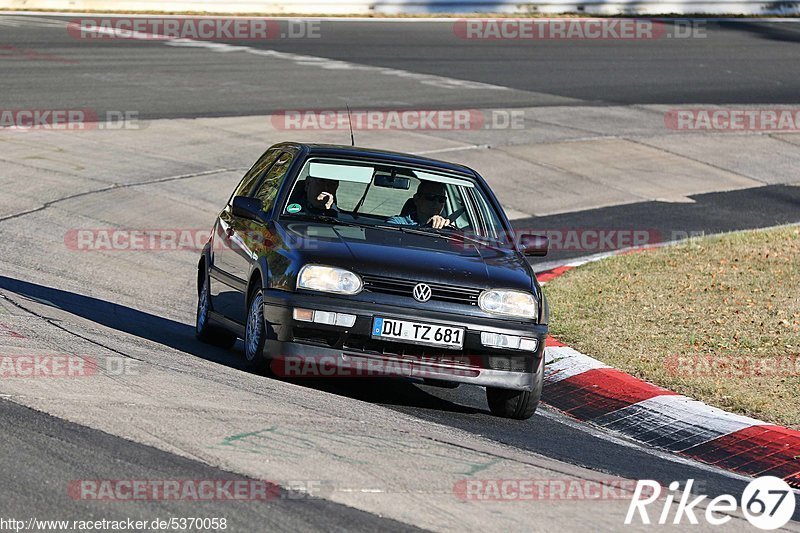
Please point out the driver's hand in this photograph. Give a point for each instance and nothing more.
(439, 222)
(327, 198)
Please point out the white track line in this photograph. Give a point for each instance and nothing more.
(324, 63)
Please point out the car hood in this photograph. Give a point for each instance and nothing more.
(395, 254)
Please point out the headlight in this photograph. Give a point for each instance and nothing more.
(510, 303)
(329, 279)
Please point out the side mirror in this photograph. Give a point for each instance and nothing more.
(249, 208)
(534, 245)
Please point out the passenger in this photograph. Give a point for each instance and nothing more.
(428, 205)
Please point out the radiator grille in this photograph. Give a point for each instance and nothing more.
(439, 292)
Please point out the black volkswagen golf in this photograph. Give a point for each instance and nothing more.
(341, 261)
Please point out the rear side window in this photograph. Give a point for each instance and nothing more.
(269, 188)
(245, 187)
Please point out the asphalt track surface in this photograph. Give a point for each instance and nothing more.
(737, 63)
(84, 453)
(733, 63)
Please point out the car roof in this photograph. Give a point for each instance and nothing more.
(385, 155)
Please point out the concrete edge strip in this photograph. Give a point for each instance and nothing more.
(591, 391)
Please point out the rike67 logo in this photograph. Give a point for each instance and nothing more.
(767, 502)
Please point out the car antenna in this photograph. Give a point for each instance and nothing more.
(350, 119)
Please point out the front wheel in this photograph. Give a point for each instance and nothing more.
(255, 334)
(517, 404)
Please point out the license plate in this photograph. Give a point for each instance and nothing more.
(417, 333)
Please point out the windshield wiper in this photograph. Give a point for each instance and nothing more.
(325, 218)
(415, 231)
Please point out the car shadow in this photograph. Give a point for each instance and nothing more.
(122, 318)
(389, 392)
(179, 336)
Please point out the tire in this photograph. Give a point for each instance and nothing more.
(202, 330)
(255, 335)
(517, 404)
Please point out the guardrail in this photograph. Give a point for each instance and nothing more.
(366, 7)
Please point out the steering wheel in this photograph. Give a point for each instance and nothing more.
(455, 214)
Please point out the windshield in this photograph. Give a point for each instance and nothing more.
(337, 191)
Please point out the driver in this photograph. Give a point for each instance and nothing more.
(428, 205)
(320, 197)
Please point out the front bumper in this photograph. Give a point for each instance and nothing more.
(298, 347)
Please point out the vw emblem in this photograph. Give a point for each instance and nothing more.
(422, 292)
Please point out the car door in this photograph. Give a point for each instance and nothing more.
(248, 239)
(227, 283)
